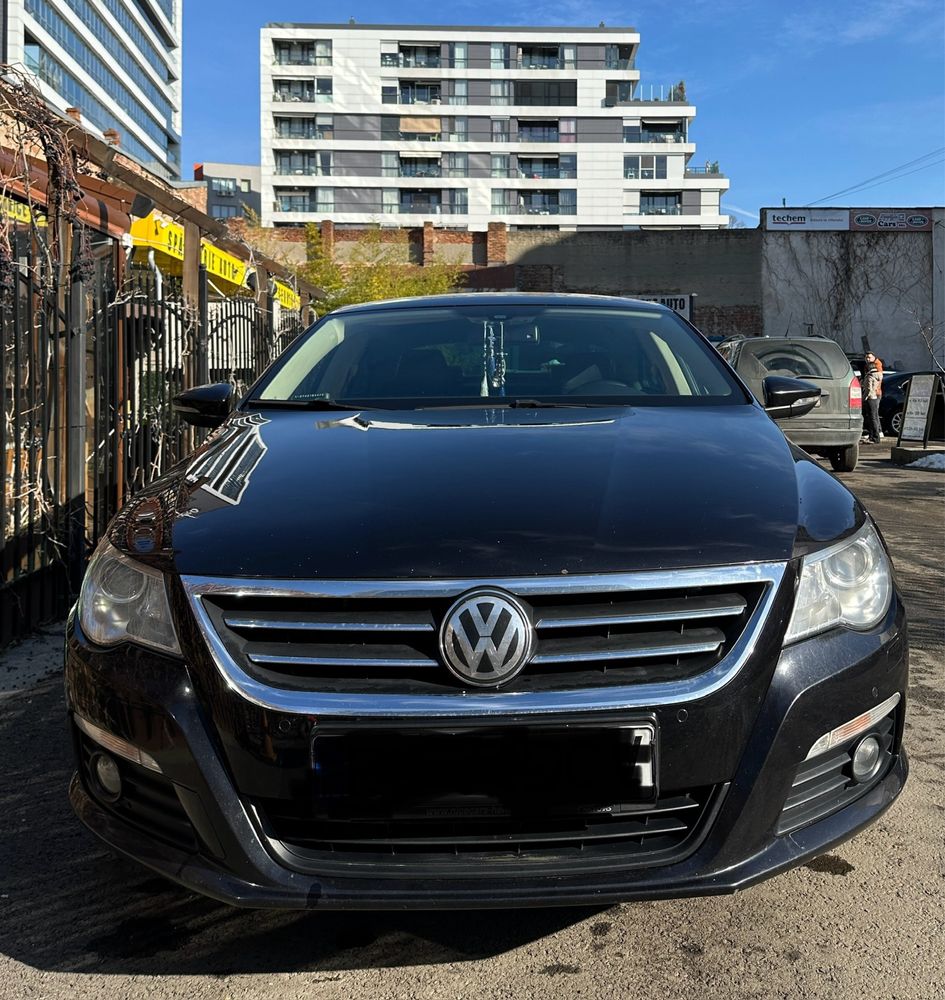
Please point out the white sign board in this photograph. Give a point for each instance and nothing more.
(920, 399)
(679, 302)
(786, 219)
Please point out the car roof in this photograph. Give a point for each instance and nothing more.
(500, 299)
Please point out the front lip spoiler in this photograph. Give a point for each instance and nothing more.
(302, 892)
(471, 703)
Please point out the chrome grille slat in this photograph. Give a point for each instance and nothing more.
(381, 662)
(332, 622)
(642, 612)
(646, 644)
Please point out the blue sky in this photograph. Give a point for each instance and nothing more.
(795, 100)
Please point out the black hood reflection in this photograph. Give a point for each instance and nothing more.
(220, 475)
(492, 492)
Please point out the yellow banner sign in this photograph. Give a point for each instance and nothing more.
(163, 236)
(287, 296)
(19, 212)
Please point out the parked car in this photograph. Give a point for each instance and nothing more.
(893, 401)
(488, 600)
(834, 427)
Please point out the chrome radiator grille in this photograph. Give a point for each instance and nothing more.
(377, 638)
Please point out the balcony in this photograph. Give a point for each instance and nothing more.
(302, 172)
(523, 209)
(413, 58)
(412, 94)
(660, 209)
(414, 170)
(658, 94)
(302, 54)
(303, 131)
(634, 135)
(709, 170)
(540, 135)
(545, 171)
(421, 208)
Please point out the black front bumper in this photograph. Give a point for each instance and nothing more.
(816, 685)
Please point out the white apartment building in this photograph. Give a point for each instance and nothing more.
(535, 127)
(117, 61)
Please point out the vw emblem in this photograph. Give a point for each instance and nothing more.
(486, 638)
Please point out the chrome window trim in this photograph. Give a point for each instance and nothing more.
(486, 703)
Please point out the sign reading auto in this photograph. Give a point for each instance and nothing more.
(679, 302)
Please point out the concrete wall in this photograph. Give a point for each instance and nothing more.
(722, 268)
(878, 289)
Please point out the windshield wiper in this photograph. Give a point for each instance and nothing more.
(301, 404)
(541, 404)
(500, 402)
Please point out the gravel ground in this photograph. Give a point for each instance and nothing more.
(866, 920)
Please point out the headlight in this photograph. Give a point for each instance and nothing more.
(847, 584)
(124, 601)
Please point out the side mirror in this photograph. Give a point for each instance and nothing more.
(205, 405)
(788, 397)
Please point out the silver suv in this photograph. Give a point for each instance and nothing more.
(834, 426)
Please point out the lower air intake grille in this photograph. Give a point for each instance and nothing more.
(661, 833)
(148, 800)
(825, 784)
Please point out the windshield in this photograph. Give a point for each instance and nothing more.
(464, 354)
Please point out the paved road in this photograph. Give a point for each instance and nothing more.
(866, 920)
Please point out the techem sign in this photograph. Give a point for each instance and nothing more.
(786, 219)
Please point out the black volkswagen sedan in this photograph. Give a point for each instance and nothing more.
(488, 600)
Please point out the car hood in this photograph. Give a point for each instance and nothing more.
(491, 493)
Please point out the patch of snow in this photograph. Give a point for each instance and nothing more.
(929, 462)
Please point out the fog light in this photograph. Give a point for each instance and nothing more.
(867, 758)
(106, 774)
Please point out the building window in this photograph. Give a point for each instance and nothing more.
(460, 93)
(319, 127)
(644, 168)
(500, 92)
(225, 211)
(458, 55)
(500, 165)
(303, 164)
(618, 92)
(223, 186)
(390, 201)
(389, 93)
(246, 185)
(324, 199)
(660, 204)
(456, 164)
(501, 55)
(303, 53)
(500, 130)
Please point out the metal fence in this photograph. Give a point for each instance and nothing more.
(91, 359)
